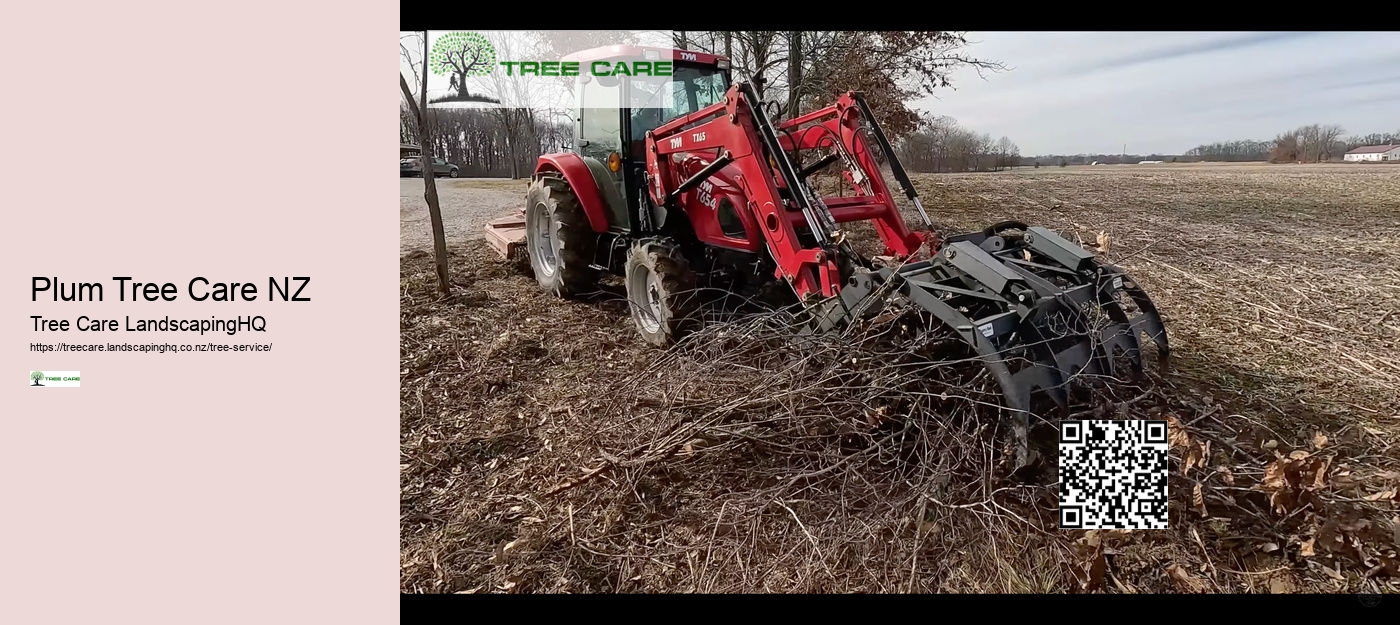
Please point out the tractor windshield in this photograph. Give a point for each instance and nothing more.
(656, 100)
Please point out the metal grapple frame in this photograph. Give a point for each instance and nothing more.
(1040, 312)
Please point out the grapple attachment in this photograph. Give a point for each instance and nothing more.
(1040, 312)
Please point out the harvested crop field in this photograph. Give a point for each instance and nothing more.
(545, 448)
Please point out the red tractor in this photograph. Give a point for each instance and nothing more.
(686, 180)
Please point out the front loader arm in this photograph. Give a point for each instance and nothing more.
(842, 129)
(734, 131)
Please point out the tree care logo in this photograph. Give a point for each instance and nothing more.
(478, 75)
(462, 55)
(54, 379)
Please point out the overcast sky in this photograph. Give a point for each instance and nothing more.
(1071, 93)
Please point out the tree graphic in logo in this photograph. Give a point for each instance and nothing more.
(36, 376)
(461, 55)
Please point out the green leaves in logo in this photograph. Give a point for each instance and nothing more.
(462, 54)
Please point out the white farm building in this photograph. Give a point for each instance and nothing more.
(1373, 153)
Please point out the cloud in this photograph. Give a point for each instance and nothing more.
(1168, 92)
(1176, 51)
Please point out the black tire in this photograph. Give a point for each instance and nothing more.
(661, 292)
(452, 173)
(558, 239)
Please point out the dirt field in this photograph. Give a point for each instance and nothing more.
(467, 204)
(546, 449)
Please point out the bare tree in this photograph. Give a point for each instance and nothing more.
(1286, 149)
(794, 73)
(1328, 141)
(425, 144)
(1008, 154)
(519, 97)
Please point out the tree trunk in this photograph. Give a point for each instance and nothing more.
(462, 84)
(425, 144)
(514, 157)
(794, 73)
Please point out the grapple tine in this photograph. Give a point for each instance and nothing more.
(1116, 338)
(1045, 371)
(1016, 389)
(1126, 333)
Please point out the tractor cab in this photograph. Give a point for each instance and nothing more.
(621, 95)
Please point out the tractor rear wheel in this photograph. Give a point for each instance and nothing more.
(661, 292)
(558, 239)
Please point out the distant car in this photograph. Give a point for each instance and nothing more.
(413, 167)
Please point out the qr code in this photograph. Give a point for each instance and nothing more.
(1113, 474)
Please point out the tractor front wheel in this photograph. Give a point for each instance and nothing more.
(558, 239)
(661, 292)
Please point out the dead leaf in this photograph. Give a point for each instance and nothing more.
(1281, 585)
(1092, 565)
(1198, 499)
(1274, 475)
(1098, 566)
(1290, 481)
(1385, 494)
(1332, 573)
(1320, 472)
(1184, 580)
(1194, 455)
(1102, 241)
(1319, 440)
(1306, 549)
(1226, 475)
(1176, 433)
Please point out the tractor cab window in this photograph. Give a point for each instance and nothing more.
(600, 126)
(656, 100)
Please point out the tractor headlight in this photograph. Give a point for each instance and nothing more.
(614, 162)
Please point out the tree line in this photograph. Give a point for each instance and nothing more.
(1063, 160)
(941, 145)
(488, 143)
(1310, 144)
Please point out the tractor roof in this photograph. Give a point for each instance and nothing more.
(646, 53)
